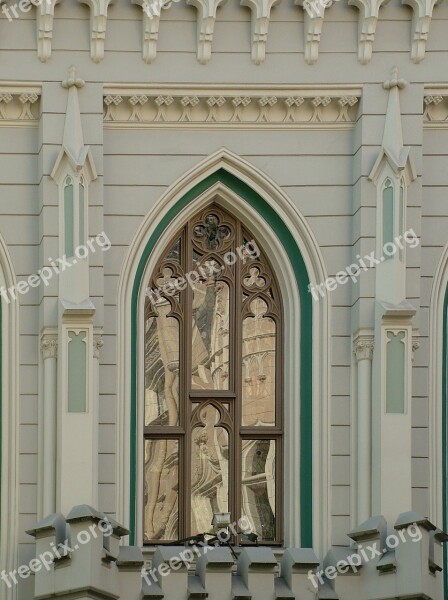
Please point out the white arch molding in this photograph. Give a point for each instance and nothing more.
(312, 257)
(9, 424)
(436, 321)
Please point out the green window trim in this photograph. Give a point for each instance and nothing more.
(302, 280)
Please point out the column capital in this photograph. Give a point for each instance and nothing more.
(415, 346)
(49, 345)
(363, 347)
(98, 343)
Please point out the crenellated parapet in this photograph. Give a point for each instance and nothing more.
(84, 558)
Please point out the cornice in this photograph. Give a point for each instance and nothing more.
(19, 105)
(435, 108)
(229, 107)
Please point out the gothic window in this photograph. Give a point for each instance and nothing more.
(213, 420)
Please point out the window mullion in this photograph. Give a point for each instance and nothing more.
(187, 368)
(237, 368)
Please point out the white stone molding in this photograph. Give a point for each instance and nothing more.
(151, 23)
(230, 108)
(49, 349)
(421, 23)
(363, 347)
(98, 344)
(368, 19)
(435, 109)
(110, 101)
(49, 346)
(415, 346)
(137, 101)
(261, 14)
(73, 154)
(313, 20)
(74, 166)
(207, 10)
(98, 25)
(9, 466)
(44, 22)
(281, 264)
(436, 324)
(19, 105)
(393, 152)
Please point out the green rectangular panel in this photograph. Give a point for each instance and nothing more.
(395, 372)
(68, 220)
(77, 372)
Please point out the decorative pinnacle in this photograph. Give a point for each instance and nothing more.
(72, 79)
(395, 82)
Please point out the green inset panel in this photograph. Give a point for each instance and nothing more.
(81, 240)
(69, 248)
(401, 217)
(77, 375)
(395, 372)
(388, 213)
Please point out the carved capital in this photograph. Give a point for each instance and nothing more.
(415, 346)
(98, 343)
(49, 345)
(363, 348)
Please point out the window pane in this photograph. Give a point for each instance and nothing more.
(81, 215)
(258, 363)
(209, 471)
(388, 213)
(395, 373)
(210, 339)
(258, 486)
(68, 219)
(162, 367)
(161, 490)
(77, 376)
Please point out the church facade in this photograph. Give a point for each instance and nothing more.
(224, 296)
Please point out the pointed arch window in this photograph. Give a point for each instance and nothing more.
(213, 417)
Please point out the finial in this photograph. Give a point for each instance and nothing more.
(394, 81)
(72, 79)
